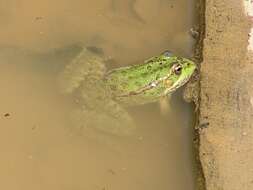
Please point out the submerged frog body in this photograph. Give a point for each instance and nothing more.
(105, 95)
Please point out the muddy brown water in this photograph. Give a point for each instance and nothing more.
(38, 151)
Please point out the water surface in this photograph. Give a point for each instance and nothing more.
(38, 151)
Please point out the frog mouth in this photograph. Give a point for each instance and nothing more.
(177, 85)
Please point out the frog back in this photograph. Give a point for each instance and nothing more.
(137, 84)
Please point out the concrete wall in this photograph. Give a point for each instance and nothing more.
(226, 98)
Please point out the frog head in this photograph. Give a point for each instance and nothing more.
(180, 71)
(158, 76)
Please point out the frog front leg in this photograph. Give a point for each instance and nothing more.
(165, 105)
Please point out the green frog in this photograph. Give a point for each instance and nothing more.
(104, 96)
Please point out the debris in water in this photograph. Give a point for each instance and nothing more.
(34, 127)
(38, 18)
(111, 171)
(7, 115)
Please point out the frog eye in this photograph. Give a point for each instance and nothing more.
(177, 69)
(167, 54)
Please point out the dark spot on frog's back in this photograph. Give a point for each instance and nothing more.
(157, 76)
(187, 63)
(151, 60)
(149, 67)
(180, 59)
